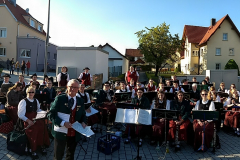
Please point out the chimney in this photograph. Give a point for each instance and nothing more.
(13, 2)
(213, 21)
(27, 10)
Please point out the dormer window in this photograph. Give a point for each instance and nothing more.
(40, 28)
(32, 23)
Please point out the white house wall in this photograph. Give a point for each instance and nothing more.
(101, 64)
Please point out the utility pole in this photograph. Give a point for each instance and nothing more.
(47, 41)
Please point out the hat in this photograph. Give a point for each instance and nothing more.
(6, 75)
(34, 75)
(86, 68)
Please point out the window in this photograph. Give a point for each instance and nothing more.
(225, 36)
(40, 28)
(218, 66)
(2, 51)
(195, 53)
(26, 53)
(3, 32)
(218, 51)
(231, 51)
(32, 23)
(48, 55)
(55, 56)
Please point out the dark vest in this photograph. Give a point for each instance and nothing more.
(160, 106)
(63, 76)
(84, 97)
(31, 106)
(204, 106)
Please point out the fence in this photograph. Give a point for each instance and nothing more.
(114, 71)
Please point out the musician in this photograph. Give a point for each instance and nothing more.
(151, 87)
(93, 119)
(212, 95)
(194, 79)
(50, 92)
(138, 86)
(176, 88)
(222, 88)
(34, 79)
(73, 106)
(131, 74)
(104, 101)
(232, 118)
(13, 96)
(204, 82)
(183, 122)
(198, 125)
(159, 124)
(131, 86)
(45, 80)
(27, 111)
(184, 82)
(232, 87)
(35, 85)
(21, 80)
(174, 79)
(63, 77)
(6, 78)
(86, 77)
(195, 92)
(143, 103)
(168, 83)
(161, 87)
(207, 80)
(123, 88)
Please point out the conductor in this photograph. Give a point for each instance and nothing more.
(73, 106)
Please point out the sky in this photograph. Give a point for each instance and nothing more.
(83, 23)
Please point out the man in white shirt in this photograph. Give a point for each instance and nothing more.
(176, 88)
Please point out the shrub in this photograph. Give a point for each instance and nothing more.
(231, 64)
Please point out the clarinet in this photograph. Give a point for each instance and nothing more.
(214, 136)
(176, 136)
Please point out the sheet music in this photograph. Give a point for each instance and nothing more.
(145, 117)
(41, 114)
(64, 117)
(130, 116)
(84, 131)
(93, 111)
(120, 115)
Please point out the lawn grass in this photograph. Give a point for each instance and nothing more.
(151, 75)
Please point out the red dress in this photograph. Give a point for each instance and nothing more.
(37, 134)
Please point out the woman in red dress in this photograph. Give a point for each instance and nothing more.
(37, 133)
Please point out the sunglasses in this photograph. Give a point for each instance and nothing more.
(204, 94)
(31, 92)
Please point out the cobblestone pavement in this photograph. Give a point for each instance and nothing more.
(229, 150)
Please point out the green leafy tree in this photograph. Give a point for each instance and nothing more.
(231, 64)
(159, 46)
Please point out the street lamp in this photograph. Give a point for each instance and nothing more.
(47, 41)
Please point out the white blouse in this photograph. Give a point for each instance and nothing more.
(211, 107)
(82, 94)
(22, 108)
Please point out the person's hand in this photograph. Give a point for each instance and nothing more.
(200, 123)
(68, 125)
(178, 123)
(30, 123)
(88, 110)
(162, 120)
(83, 125)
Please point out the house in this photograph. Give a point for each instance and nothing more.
(134, 56)
(210, 48)
(22, 36)
(80, 57)
(117, 63)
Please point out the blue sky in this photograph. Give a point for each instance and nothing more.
(92, 22)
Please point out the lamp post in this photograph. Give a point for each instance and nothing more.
(47, 41)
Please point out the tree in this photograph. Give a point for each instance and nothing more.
(231, 64)
(159, 46)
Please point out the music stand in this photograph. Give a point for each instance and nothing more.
(206, 115)
(222, 94)
(169, 96)
(219, 108)
(122, 96)
(185, 87)
(40, 97)
(150, 95)
(166, 114)
(167, 88)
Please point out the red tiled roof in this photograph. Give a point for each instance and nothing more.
(18, 13)
(194, 33)
(100, 46)
(133, 53)
(212, 29)
(137, 61)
